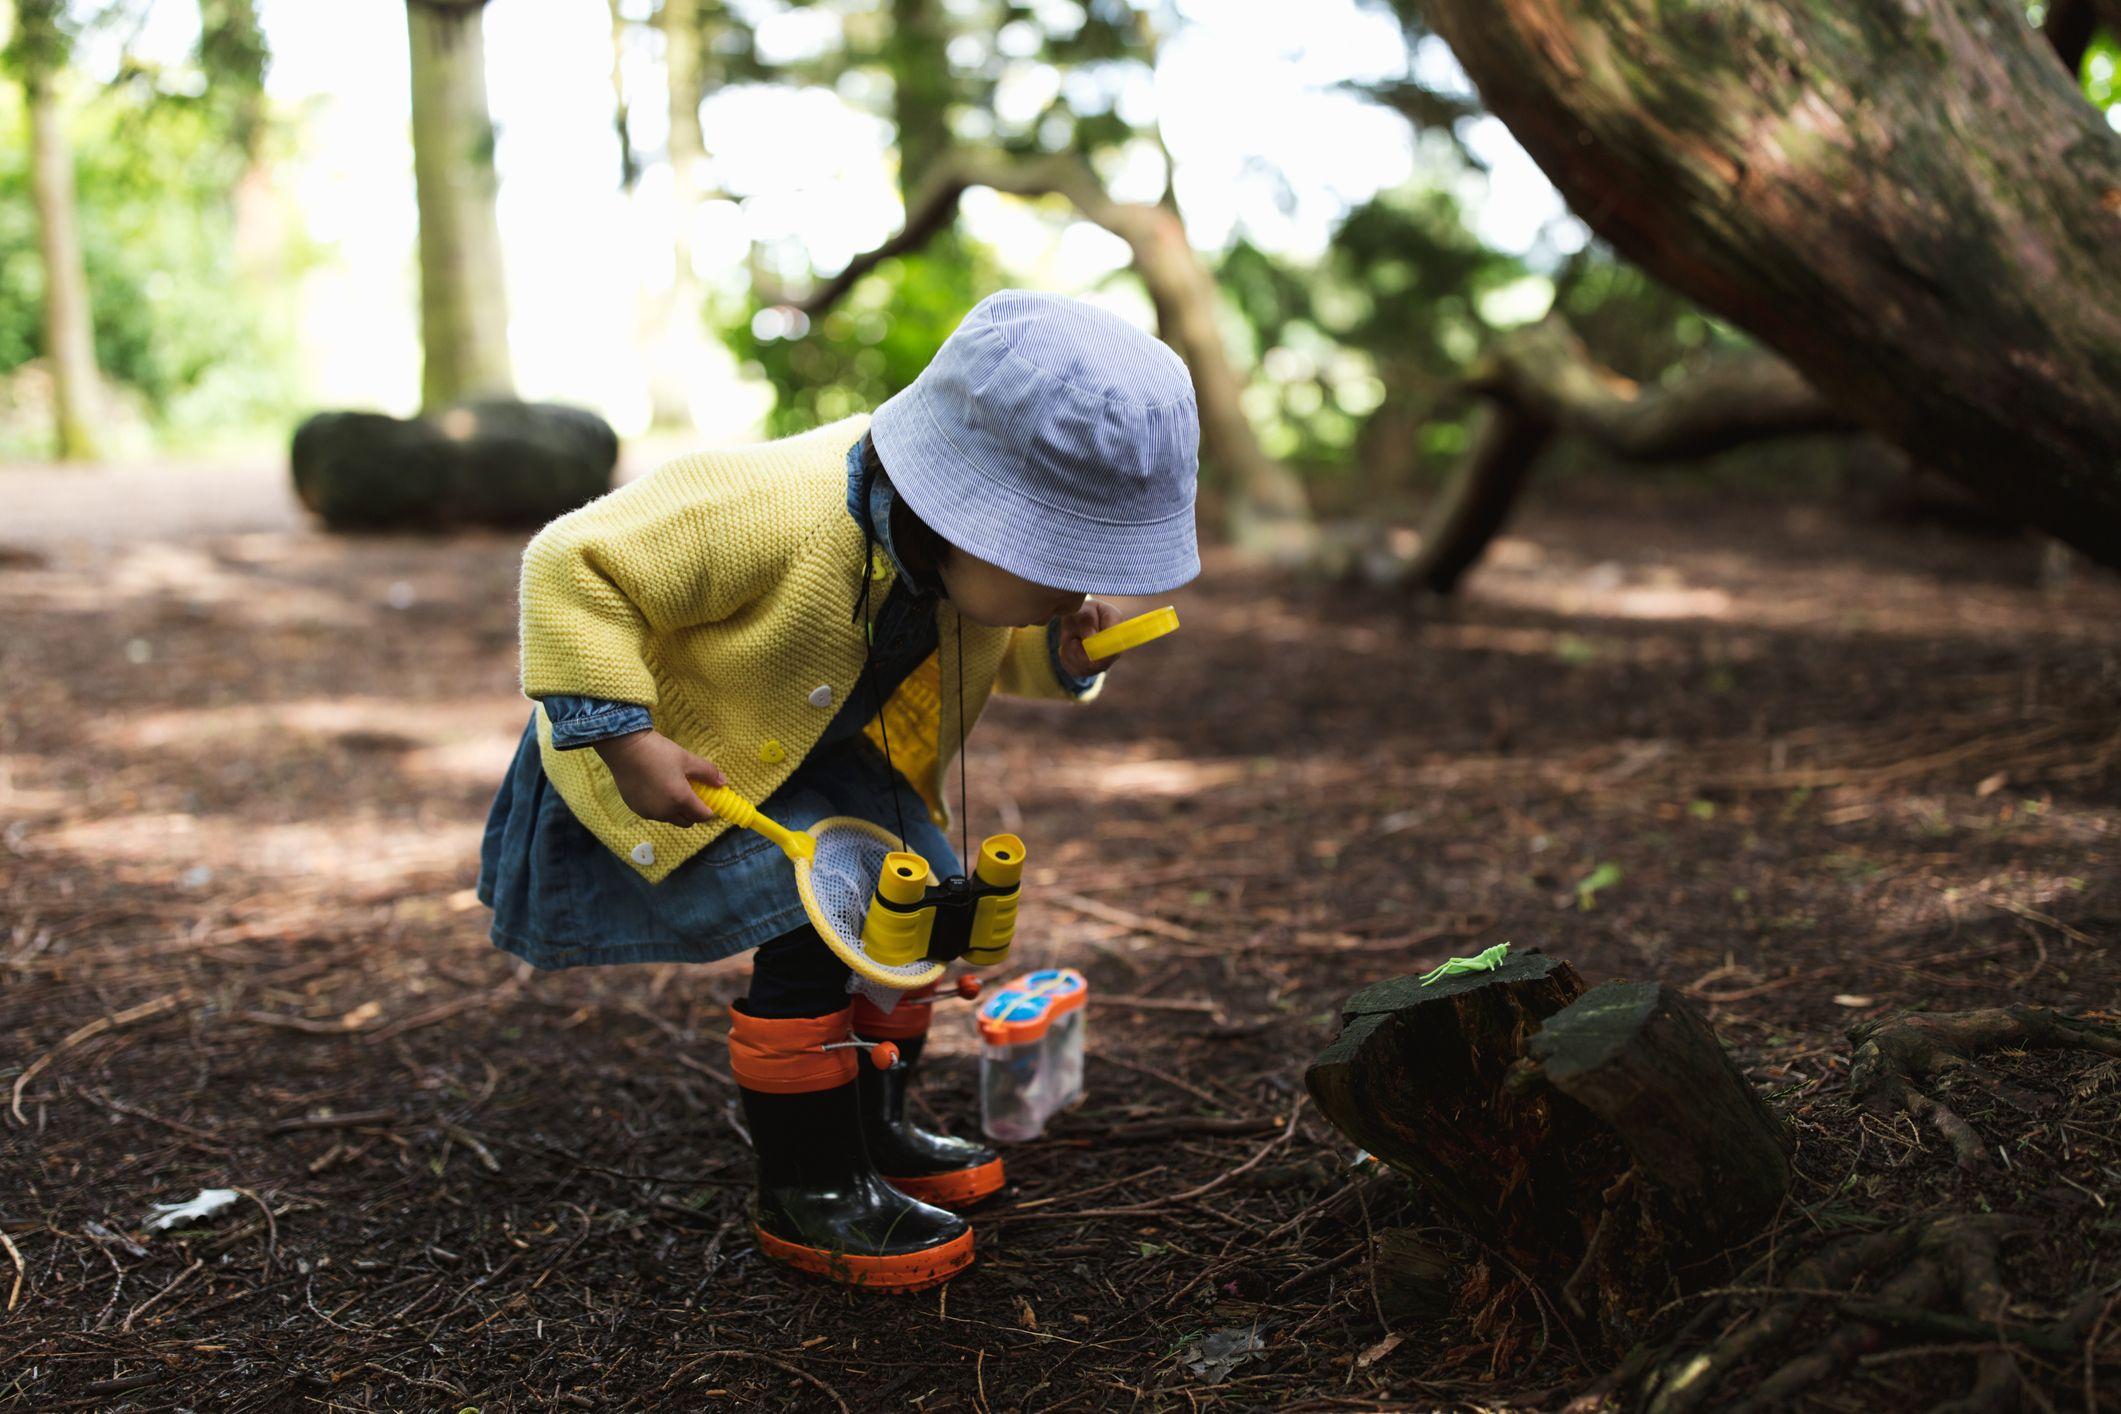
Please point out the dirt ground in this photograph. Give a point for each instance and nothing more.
(1808, 770)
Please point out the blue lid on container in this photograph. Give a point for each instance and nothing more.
(1067, 987)
(1014, 1016)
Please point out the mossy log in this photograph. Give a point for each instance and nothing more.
(487, 463)
(1602, 1141)
(1912, 203)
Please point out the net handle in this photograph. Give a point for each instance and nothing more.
(798, 845)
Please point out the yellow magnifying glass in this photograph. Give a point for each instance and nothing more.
(1130, 633)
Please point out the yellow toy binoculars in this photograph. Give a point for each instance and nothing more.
(971, 918)
(908, 920)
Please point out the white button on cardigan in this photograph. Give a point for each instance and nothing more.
(644, 853)
(821, 695)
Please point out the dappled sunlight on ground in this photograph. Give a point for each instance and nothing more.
(1804, 773)
(195, 853)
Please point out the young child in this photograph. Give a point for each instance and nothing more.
(765, 618)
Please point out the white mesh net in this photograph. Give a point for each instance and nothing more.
(841, 880)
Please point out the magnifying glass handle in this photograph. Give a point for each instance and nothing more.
(1130, 633)
(796, 844)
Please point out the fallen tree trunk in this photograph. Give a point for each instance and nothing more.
(1913, 203)
(490, 463)
(1540, 381)
(1602, 1140)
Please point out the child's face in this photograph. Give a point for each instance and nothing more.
(988, 594)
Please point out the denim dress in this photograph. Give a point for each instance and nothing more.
(560, 898)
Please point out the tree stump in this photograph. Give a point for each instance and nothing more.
(488, 463)
(1413, 1277)
(1641, 1059)
(1602, 1141)
(1416, 1077)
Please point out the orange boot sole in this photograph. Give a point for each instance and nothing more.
(905, 1271)
(958, 1189)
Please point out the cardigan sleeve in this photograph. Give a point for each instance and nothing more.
(1031, 668)
(676, 549)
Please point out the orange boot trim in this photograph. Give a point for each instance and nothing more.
(903, 1022)
(782, 1056)
(905, 1271)
(960, 1188)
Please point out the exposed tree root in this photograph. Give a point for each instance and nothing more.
(1540, 380)
(1896, 1055)
(1922, 1274)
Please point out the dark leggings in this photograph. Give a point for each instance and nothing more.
(796, 975)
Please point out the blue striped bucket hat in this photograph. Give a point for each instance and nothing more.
(1055, 440)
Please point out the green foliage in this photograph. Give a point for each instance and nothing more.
(872, 343)
(42, 42)
(157, 228)
(2102, 71)
(1632, 323)
(232, 56)
(1394, 309)
(900, 55)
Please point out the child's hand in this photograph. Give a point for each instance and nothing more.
(655, 776)
(1095, 616)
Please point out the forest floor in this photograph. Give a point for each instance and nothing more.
(1806, 770)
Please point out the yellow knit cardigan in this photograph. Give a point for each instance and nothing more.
(719, 591)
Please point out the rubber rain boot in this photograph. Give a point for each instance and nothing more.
(935, 1168)
(821, 1206)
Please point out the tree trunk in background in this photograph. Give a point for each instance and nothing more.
(38, 53)
(1269, 512)
(621, 111)
(918, 57)
(1913, 203)
(463, 300)
(678, 345)
(233, 56)
(1540, 380)
(69, 337)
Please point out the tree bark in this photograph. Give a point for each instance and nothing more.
(463, 297)
(1540, 380)
(39, 53)
(1638, 1056)
(1269, 511)
(1603, 1139)
(1911, 202)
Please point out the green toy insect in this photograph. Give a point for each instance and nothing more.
(1480, 962)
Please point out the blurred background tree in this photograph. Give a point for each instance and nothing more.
(1347, 362)
(143, 248)
(932, 71)
(38, 55)
(463, 297)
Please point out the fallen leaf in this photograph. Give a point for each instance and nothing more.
(1217, 1353)
(210, 1201)
(361, 1015)
(1378, 1351)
